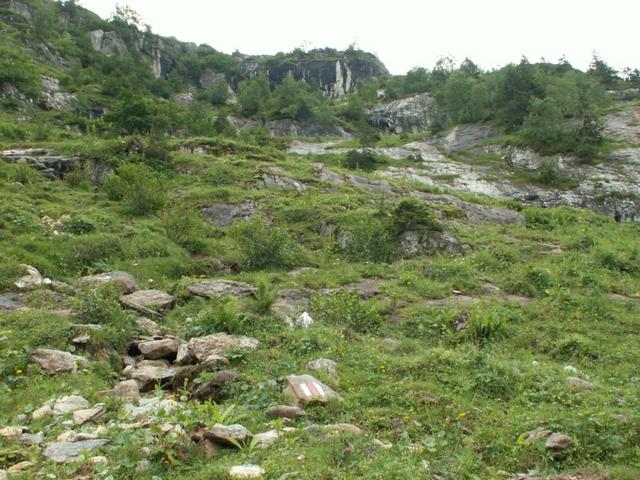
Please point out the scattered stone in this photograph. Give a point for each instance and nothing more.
(32, 278)
(323, 365)
(55, 361)
(11, 433)
(228, 435)
(11, 301)
(66, 452)
(4, 475)
(557, 443)
(182, 355)
(337, 428)
(69, 404)
(127, 391)
(535, 435)
(149, 406)
(148, 326)
(80, 417)
(290, 303)
(304, 320)
(70, 436)
(32, 438)
(285, 411)
(578, 383)
(18, 468)
(154, 300)
(223, 215)
(214, 288)
(200, 348)
(81, 339)
(209, 448)
(122, 280)
(266, 439)
(307, 389)
(99, 460)
(390, 344)
(158, 349)
(382, 444)
(214, 388)
(149, 373)
(246, 471)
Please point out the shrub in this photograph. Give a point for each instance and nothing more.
(362, 160)
(78, 226)
(412, 215)
(368, 239)
(139, 186)
(220, 315)
(264, 245)
(92, 249)
(183, 225)
(346, 308)
(486, 324)
(25, 174)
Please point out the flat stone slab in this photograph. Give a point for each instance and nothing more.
(201, 348)
(215, 288)
(155, 300)
(122, 280)
(228, 435)
(308, 389)
(66, 452)
(56, 361)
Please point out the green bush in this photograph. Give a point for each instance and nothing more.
(26, 175)
(90, 250)
(78, 226)
(362, 160)
(347, 309)
(412, 215)
(221, 315)
(368, 239)
(264, 245)
(486, 324)
(183, 225)
(139, 186)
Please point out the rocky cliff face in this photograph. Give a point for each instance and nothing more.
(408, 115)
(336, 74)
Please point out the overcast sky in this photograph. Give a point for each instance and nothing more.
(405, 33)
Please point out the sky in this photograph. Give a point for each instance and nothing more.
(405, 33)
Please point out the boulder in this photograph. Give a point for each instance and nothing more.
(11, 432)
(290, 303)
(307, 389)
(338, 428)
(579, 384)
(80, 417)
(285, 411)
(32, 278)
(215, 288)
(266, 439)
(55, 361)
(42, 412)
(414, 243)
(122, 280)
(147, 374)
(127, 391)
(408, 115)
(228, 435)
(66, 452)
(223, 215)
(200, 348)
(158, 349)
(148, 326)
(214, 389)
(246, 471)
(465, 136)
(69, 404)
(557, 444)
(154, 300)
(323, 365)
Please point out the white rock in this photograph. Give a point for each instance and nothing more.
(70, 404)
(304, 320)
(266, 439)
(32, 278)
(80, 417)
(570, 369)
(11, 432)
(246, 471)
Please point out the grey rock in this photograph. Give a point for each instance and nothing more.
(415, 243)
(228, 434)
(158, 349)
(579, 383)
(122, 280)
(557, 444)
(465, 136)
(224, 215)
(54, 361)
(42, 412)
(155, 300)
(11, 301)
(290, 303)
(127, 391)
(200, 348)
(80, 417)
(624, 125)
(147, 376)
(214, 288)
(281, 181)
(51, 166)
(246, 471)
(32, 438)
(69, 404)
(408, 115)
(148, 326)
(32, 278)
(285, 411)
(323, 365)
(305, 389)
(338, 428)
(537, 434)
(54, 98)
(107, 43)
(66, 452)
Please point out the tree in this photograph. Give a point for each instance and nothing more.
(517, 87)
(602, 72)
(254, 95)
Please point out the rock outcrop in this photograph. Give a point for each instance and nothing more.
(408, 115)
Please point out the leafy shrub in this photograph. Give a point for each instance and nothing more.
(346, 308)
(486, 324)
(78, 226)
(183, 225)
(221, 315)
(9, 273)
(575, 346)
(412, 215)
(362, 160)
(264, 298)
(264, 245)
(26, 175)
(139, 186)
(92, 249)
(368, 239)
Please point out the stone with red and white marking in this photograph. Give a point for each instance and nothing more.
(308, 389)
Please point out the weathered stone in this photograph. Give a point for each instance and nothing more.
(535, 435)
(307, 389)
(11, 301)
(214, 388)
(155, 300)
(127, 391)
(285, 411)
(415, 243)
(11, 432)
(42, 412)
(578, 383)
(80, 417)
(158, 349)
(122, 280)
(148, 375)
(32, 278)
(18, 468)
(66, 452)
(223, 215)
(200, 348)
(228, 434)
(246, 471)
(107, 43)
(148, 406)
(465, 136)
(557, 443)
(323, 365)
(338, 428)
(69, 404)
(148, 326)
(281, 181)
(408, 115)
(291, 303)
(32, 438)
(266, 439)
(214, 288)
(55, 361)
(304, 320)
